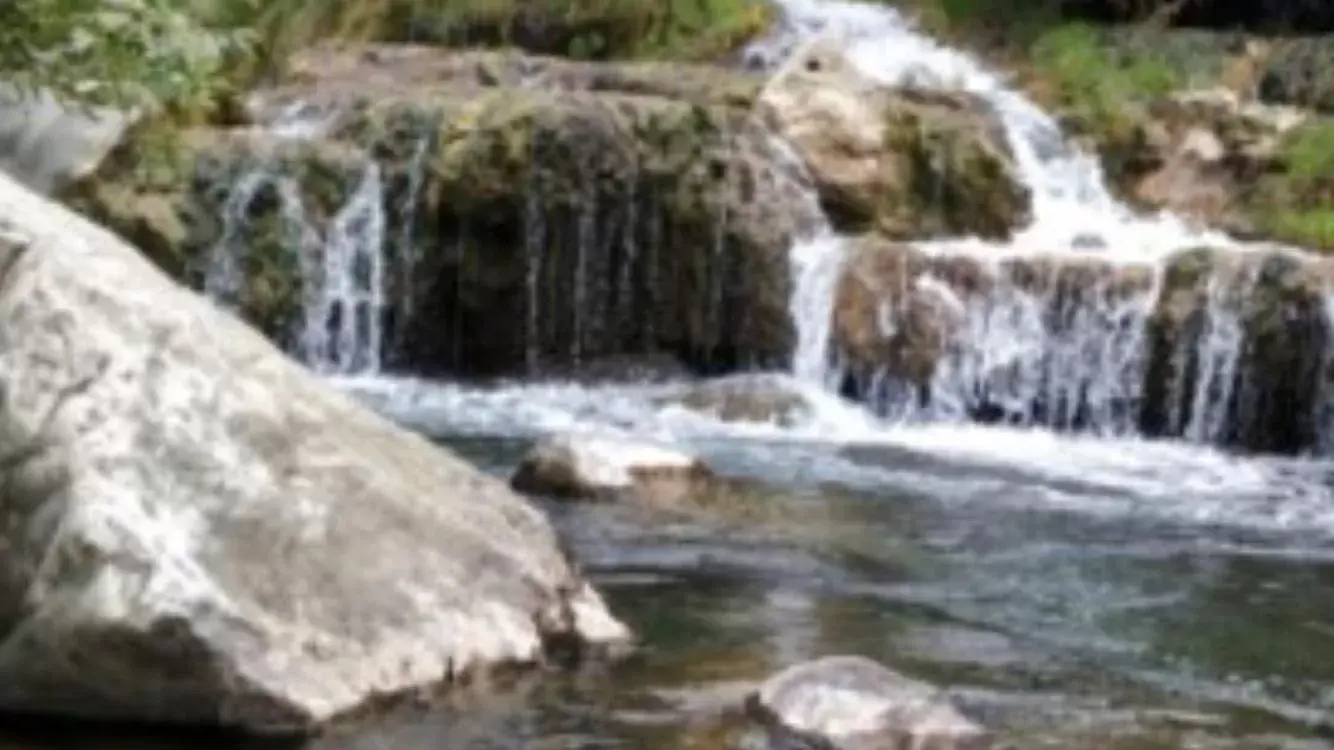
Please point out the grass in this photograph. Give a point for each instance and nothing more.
(1296, 205)
(585, 29)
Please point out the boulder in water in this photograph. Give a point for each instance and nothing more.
(602, 467)
(910, 163)
(195, 529)
(854, 703)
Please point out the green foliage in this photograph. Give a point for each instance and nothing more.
(1102, 94)
(1008, 23)
(1297, 203)
(126, 52)
(1311, 228)
(1309, 155)
(587, 29)
(183, 54)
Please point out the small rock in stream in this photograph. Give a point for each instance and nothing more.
(604, 467)
(854, 703)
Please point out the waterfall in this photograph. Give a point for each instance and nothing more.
(1036, 355)
(345, 313)
(1030, 347)
(343, 269)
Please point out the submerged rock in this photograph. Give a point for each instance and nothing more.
(907, 162)
(854, 703)
(194, 529)
(602, 467)
(537, 213)
(744, 398)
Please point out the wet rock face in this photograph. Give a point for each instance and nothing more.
(196, 530)
(908, 163)
(991, 339)
(854, 703)
(1216, 346)
(1239, 350)
(538, 213)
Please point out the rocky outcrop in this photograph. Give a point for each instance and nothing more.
(899, 311)
(854, 703)
(1207, 155)
(1239, 349)
(1217, 345)
(588, 467)
(194, 529)
(539, 212)
(908, 163)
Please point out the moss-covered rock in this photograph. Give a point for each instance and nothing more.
(230, 211)
(909, 164)
(528, 226)
(1268, 398)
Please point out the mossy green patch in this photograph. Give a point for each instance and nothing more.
(184, 197)
(955, 180)
(1295, 202)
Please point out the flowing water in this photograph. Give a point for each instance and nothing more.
(1085, 589)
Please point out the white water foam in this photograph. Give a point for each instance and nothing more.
(1174, 482)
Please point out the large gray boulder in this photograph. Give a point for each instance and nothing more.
(194, 529)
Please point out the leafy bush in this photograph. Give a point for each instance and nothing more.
(127, 52)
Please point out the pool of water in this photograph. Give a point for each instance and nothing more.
(1092, 624)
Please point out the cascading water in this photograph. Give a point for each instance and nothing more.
(343, 270)
(1068, 355)
(1021, 356)
(345, 312)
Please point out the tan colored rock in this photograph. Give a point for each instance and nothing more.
(194, 529)
(586, 467)
(854, 703)
(898, 311)
(893, 314)
(907, 162)
(1204, 153)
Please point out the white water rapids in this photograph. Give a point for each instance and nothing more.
(1109, 471)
